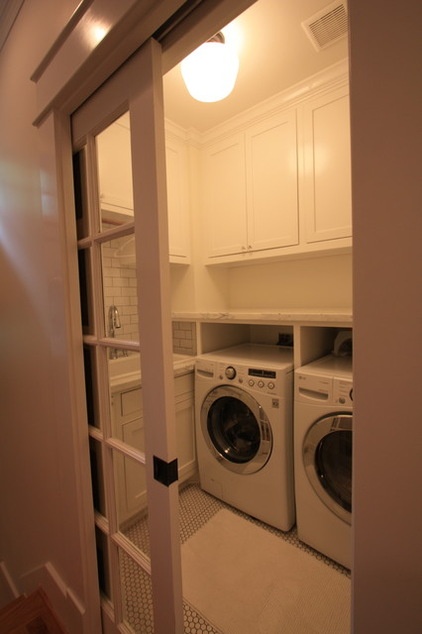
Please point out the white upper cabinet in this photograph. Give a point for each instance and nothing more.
(326, 186)
(280, 185)
(224, 196)
(177, 167)
(271, 182)
(115, 171)
(250, 189)
(115, 184)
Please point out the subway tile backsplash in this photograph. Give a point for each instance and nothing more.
(119, 287)
(184, 337)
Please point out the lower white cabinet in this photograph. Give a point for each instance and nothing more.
(128, 426)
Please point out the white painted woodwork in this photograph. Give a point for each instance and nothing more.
(115, 183)
(115, 169)
(128, 425)
(155, 333)
(271, 182)
(274, 188)
(313, 332)
(326, 188)
(224, 195)
(178, 200)
(250, 188)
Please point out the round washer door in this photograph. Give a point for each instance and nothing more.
(327, 458)
(236, 429)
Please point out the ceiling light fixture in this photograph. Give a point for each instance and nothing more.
(210, 71)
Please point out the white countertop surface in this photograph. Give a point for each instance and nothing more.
(182, 364)
(327, 316)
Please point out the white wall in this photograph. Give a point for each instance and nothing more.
(318, 282)
(38, 495)
(386, 99)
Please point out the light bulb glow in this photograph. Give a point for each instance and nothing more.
(210, 71)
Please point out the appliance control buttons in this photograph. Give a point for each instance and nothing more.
(230, 372)
(251, 382)
(261, 383)
(271, 385)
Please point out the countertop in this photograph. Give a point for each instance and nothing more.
(314, 316)
(182, 364)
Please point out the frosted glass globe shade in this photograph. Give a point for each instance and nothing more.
(210, 72)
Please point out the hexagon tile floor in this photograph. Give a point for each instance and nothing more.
(195, 509)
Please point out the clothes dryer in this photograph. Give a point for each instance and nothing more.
(244, 436)
(323, 423)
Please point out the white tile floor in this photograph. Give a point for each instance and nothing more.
(196, 508)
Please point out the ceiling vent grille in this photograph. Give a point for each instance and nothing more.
(327, 26)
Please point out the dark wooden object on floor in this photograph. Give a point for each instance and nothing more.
(29, 615)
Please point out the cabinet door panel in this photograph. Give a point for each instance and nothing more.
(186, 437)
(271, 176)
(177, 200)
(225, 197)
(115, 171)
(327, 178)
(131, 475)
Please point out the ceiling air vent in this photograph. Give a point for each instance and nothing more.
(327, 26)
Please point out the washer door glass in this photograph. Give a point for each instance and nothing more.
(236, 429)
(327, 453)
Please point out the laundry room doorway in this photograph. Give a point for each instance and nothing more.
(133, 445)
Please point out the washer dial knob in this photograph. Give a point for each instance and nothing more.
(230, 372)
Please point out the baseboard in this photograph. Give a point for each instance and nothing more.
(64, 602)
(8, 590)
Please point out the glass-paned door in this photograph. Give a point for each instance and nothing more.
(122, 236)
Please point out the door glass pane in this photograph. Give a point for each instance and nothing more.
(85, 287)
(97, 476)
(119, 288)
(115, 174)
(90, 387)
(80, 193)
(131, 498)
(137, 595)
(126, 397)
(103, 563)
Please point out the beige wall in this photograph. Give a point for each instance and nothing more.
(386, 98)
(38, 497)
(321, 282)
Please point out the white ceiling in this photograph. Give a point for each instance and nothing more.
(274, 54)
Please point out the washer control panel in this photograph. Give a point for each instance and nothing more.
(253, 378)
(259, 379)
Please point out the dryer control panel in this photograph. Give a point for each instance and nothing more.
(323, 389)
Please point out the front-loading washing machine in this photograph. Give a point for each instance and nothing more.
(323, 423)
(244, 433)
